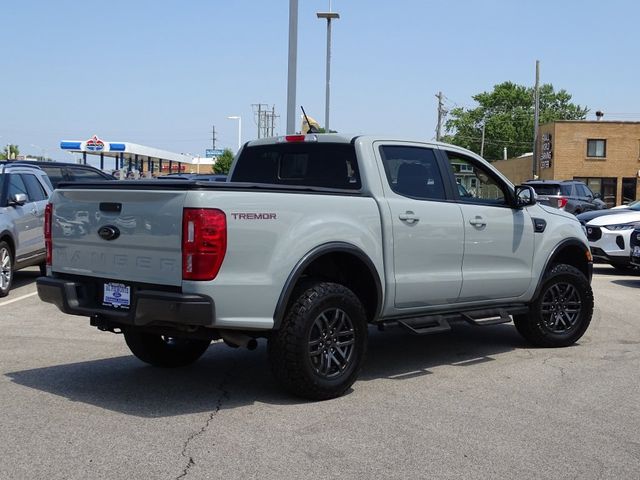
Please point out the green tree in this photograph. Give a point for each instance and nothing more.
(9, 152)
(507, 114)
(223, 163)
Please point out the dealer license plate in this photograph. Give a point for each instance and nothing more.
(117, 295)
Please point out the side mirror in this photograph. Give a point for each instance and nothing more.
(525, 196)
(597, 195)
(18, 199)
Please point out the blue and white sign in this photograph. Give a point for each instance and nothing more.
(213, 152)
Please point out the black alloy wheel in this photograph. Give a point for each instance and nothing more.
(560, 308)
(321, 344)
(331, 343)
(562, 311)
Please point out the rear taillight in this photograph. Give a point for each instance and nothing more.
(48, 217)
(204, 243)
(562, 202)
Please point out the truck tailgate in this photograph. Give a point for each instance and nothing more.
(142, 241)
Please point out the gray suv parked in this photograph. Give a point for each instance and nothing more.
(24, 192)
(569, 195)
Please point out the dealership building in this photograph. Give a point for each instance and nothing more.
(603, 154)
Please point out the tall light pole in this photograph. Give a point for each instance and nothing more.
(328, 16)
(293, 66)
(236, 117)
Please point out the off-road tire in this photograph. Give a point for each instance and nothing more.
(561, 313)
(164, 351)
(6, 268)
(298, 351)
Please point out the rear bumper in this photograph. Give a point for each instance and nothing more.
(148, 306)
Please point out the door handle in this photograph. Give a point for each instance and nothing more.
(409, 217)
(478, 222)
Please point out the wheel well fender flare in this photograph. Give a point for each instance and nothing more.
(555, 253)
(7, 237)
(308, 259)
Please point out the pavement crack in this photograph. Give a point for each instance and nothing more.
(547, 361)
(224, 395)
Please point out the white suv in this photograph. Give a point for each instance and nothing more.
(609, 237)
(24, 192)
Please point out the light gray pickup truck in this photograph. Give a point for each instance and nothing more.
(315, 238)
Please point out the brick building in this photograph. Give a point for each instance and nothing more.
(604, 155)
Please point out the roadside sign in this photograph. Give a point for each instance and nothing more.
(213, 152)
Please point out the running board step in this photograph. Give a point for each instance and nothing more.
(426, 325)
(440, 323)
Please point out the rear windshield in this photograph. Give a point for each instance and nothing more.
(546, 189)
(328, 165)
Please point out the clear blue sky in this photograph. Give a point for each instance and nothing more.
(162, 72)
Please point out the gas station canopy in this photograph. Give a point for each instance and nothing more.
(130, 155)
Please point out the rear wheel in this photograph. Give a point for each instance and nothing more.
(6, 269)
(562, 312)
(321, 345)
(163, 350)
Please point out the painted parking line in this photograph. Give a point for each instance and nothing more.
(17, 299)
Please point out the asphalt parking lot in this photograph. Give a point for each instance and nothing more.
(473, 403)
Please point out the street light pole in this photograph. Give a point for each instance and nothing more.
(293, 66)
(236, 117)
(328, 16)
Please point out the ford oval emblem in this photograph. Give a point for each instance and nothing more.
(109, 232)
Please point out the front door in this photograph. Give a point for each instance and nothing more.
(498, 245)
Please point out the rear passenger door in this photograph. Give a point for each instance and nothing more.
(38, 198)
(428, 236)
(498, 239)
(25, 219)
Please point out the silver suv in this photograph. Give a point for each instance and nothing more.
(24, 192)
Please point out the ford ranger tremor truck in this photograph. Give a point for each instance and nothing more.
(313, 239)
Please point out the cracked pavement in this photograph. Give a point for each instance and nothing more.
(473, 403)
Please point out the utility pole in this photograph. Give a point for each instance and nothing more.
(213, 137)
(264, 118)
(441, 113)
(292, 66)
(536, 119)
(482, 141)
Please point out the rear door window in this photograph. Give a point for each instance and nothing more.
(413, 172)
(328, 165)
(566, 191)
(35, 189)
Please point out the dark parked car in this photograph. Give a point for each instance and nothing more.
(69, 172)
(569, 195)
